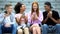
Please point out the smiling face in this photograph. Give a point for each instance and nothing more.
(35, 7)
(23, 8)
(9, 9)
(47, 8)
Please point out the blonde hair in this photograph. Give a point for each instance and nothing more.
(7, 5)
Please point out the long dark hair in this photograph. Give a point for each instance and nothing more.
(17, 7)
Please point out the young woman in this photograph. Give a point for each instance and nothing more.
(35, 18)
(21, 18)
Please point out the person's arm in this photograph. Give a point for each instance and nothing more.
(44, 21)
(17, 20)
(40, 18)
(29, 18)
(45, 18)
(56, 17)
(1, 18)
(56, 21)
(26, 19)
(12, 19)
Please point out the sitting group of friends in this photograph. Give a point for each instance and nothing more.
(35, 22)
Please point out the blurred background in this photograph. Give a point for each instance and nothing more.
(55, 4)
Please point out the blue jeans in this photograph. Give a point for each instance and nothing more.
(11, 29)
(7, 29)
(14, 29)
(46, 29)
(0, 29)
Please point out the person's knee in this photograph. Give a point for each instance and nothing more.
(45, 26)
(57, 24)
(20, 31)
(38, 27)
(33, 28)
(26, 28)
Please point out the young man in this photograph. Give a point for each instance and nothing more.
(8, 20)
(50, 21)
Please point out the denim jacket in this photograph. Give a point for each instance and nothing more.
(12, 18)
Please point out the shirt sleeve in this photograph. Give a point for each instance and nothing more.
(1, 18)
(15, 15)
(29, 18)
(13, 21)
(40, 18)
(57, 15)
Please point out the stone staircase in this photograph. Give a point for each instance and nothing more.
(55, 4)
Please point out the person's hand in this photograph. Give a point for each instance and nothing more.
(33, 18)
(5, 15)
(36, 17)
(7, 25)
(49, 14)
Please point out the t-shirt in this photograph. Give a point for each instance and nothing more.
(18, 15)
(21, 25)
(55, 15)
(7, 19)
